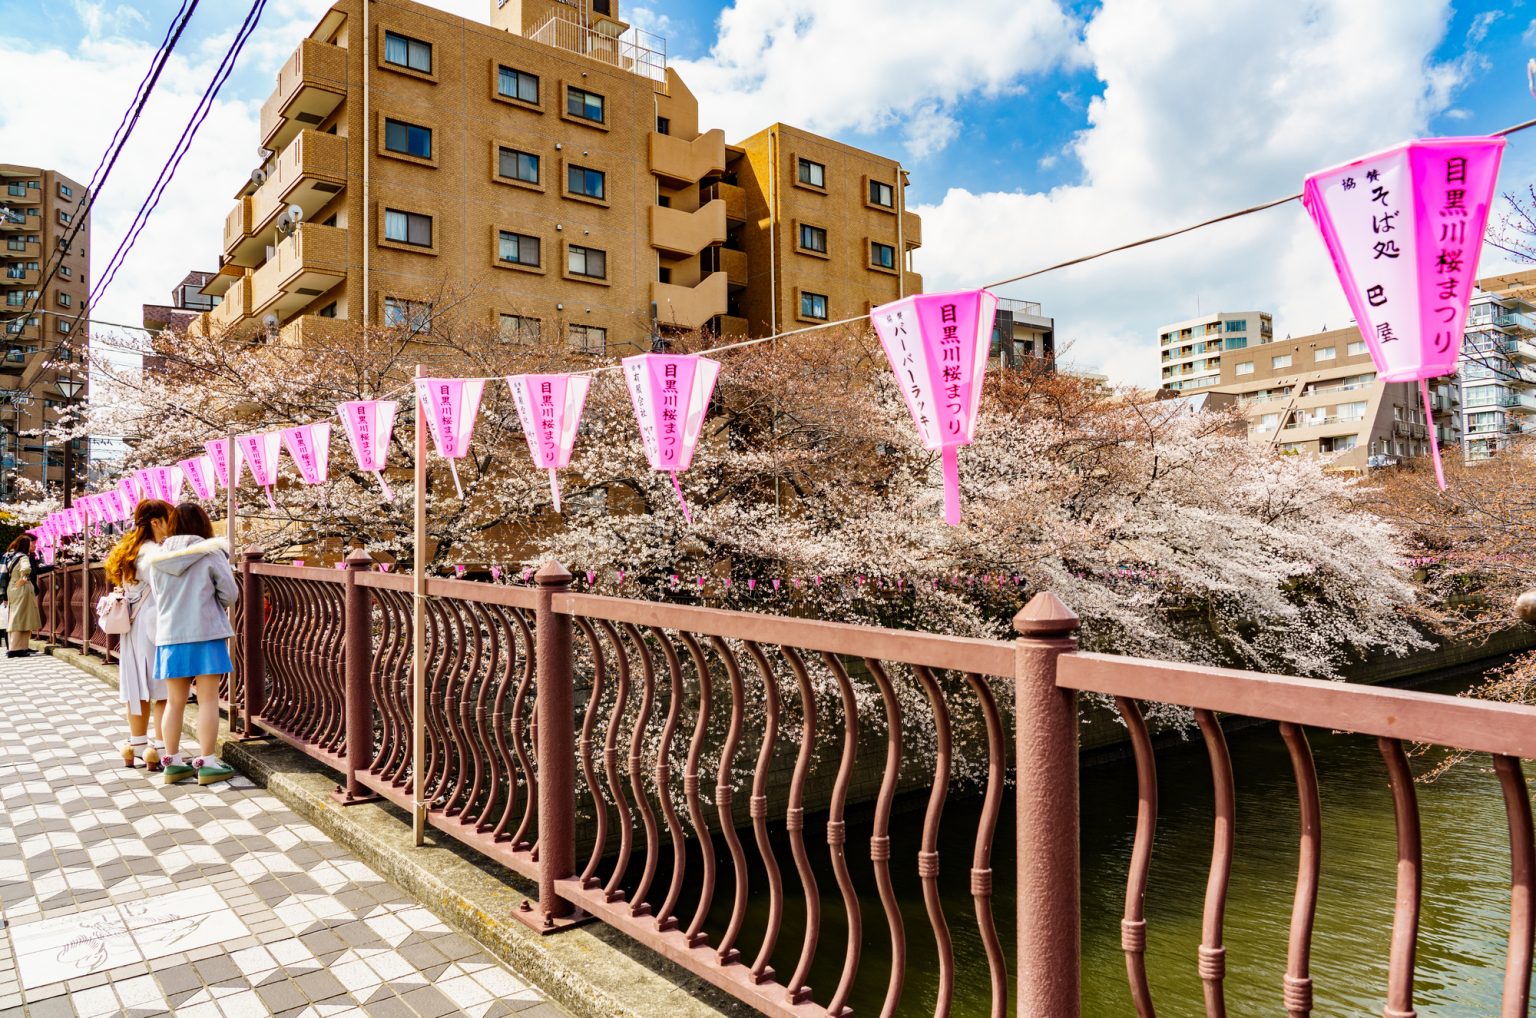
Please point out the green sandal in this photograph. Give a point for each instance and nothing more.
(181, 770)
(211, 769)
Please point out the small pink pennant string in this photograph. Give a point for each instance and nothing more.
(496, 573)
(385, 567)
(591, 578)
(554, 487)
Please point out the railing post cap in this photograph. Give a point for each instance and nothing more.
(255, 552)
(1046, 615)
(552, 574)
(357, 558)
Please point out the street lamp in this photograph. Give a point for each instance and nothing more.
(71, 388)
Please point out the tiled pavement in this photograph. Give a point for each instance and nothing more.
(120, 895)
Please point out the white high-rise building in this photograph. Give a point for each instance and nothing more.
(1191, 350)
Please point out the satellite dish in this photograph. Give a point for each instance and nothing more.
(295, 214)
(258, 176)
(269, 320)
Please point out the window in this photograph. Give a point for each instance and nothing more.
(587, 261)
(17, 190)
(518, 329)
(1268, 422)
(1245, 367)
(408, 228)
(404, 51)
(663, 125)
(65, 218)
(1237, 325)
(410, 314)
(408, 139)
(519, 85)
(813, 305)
(882, 194)
(582, 181)
(64, 326)
(1351, 411)
(589, 339)
(813, 238)
(814, 174)
(329, 311)
(586, 105)
(518, 248)
(64, 270)
(1283, 361)
(1326, 353)
(883, 255)
(1339, 443)
(65, 191)
(1357, 348)
(515, 165)
(65, 300)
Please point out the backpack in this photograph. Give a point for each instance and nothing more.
(5, 575)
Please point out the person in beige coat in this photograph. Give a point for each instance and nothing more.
(21, 596)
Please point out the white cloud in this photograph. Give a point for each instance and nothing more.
(1207, 106)
(864, 67)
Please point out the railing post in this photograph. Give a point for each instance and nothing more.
(357, 624)
(556, 749)
(1046, 745)
(253, 671)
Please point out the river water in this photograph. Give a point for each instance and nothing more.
(1466, 889)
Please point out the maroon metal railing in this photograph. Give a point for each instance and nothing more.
(636, 759)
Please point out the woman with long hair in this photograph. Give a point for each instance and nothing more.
(194, 587)
(127, 567)
(20, 594)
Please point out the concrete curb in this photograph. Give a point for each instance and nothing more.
(592, 971)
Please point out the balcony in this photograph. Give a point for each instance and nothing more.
(14, 195)
(21, 251)
(912, 282)
(235, 307)
(304, 266)
(687, 233)
(307, 173)
(686, 162)
(1407, 429)
(241, 245)
(686, 307)
(309, 88)
(734, 264)
(310, 330)
(635, 50)
(29, 278)
(912, 229)
(735, 199)
(728, 327)
(12, 219)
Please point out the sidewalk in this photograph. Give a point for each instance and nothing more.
(120, 895)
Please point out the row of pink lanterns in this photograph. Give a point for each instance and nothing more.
(1404, 228)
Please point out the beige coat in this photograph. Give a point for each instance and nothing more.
(22, 598)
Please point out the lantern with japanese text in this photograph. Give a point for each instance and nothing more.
(671, 394)
(549, 407)
(937, 344)
(145, 480)
(310, 447)
(450, 406)
(117, 506)
(1404, 228)
(368, 423)
(258, 454)
(128, 489)
(199, 474)
(165, 483)
(221, 454)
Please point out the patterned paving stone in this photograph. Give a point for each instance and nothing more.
(121, 896)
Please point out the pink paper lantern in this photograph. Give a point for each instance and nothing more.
(222, 456)
(549, 407)
(368, 424)
(165, 483)
(199, 473)
(451, 406)
(1404, 228)
(145, 481)
(258, 454)
(310, 447)
(671, 394)
(129, 492)
(937, 344)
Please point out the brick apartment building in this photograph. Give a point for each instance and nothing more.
(546, 176)
(38, 210)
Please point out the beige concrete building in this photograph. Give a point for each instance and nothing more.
(38, 212)
(545, 175)
(1319, 395)
(1498, 364)
(1191, 351)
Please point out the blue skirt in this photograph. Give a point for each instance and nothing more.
(188, 660)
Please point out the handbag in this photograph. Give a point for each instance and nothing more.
(113, 615)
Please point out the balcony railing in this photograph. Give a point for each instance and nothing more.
(309, 88)
(687, 161)
(308, 173)
(735, 199)
(911, 229)
(304, 266)
(690, 307)
(636, 51)
(687, 233)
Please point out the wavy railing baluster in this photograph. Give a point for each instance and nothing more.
(381, 677)
(928, 854)
(396, 690)
(333, 733)
(456, 678)
(724, 791)
(524, 759)
(467, 624)
(1213, 954)
(440, 653)
(584, 748)
(986, 831)
(1309, 863)
(1405, 912)
(695, 934)
(614, 890)
(475, 806)
(639, 905)
(880, 839)
(503, 775)
(665, 919)
(837, 837)
(758, 808)
(1133, 928)
(1522, 873)
(794, 824)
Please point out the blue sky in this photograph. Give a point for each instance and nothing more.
(1034, 130)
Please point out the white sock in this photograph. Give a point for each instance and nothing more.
(139, 743)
